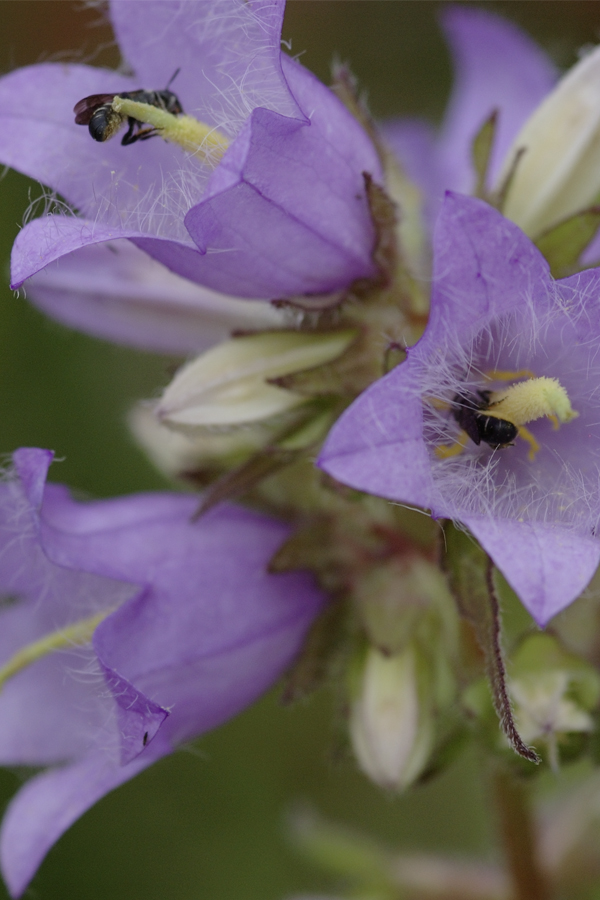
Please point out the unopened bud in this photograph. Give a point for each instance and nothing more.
(391, 719)
(176, 453)
(229, 384)
(559, 171)
(404, 597)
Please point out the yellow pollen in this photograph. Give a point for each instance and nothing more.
(74, 635)
(530, 400)
(193, 136)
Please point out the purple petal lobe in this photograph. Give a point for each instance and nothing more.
(483, 267)
(49, 804)
(39, 136)
(496, 67)
(377, 445)
(227, 53)
(547, 566)
(32, 466)
(138, 717)
(45, 240)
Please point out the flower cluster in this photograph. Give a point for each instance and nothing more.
(132, 625)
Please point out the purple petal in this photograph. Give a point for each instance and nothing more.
(227, 53)
(51, 802)
(497, 66)
(286, 212)
(48, 239)
(547, 567)
(158, 649)
(117, 292)
(377, 444)
(483, 267)
(63, 694)
(105, 181)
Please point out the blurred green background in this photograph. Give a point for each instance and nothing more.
(210, 821)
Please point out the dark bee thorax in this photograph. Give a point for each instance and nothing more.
(469, 411)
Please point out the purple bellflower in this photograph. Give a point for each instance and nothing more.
(277, 209)
(497, 67)
(500, 325)
(126, 631)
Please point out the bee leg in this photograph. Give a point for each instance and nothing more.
(446, 451)
(527, 436)
(129, 137)
(146, 134)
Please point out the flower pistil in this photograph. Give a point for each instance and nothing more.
(192, 135)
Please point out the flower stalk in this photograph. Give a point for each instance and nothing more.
(517, 832)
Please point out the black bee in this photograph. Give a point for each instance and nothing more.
(96, 111)
(469, 410)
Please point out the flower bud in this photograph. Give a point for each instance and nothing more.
(391, 719)
(229, 384)
(559, 172)
(176, 453)
(404, 597)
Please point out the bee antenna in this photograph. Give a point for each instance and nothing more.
(172, 78)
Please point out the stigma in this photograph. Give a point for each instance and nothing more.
(193, 136)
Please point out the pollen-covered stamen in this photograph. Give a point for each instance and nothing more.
(75, 635)
(189, 133)
(497, 417)
(530, 400)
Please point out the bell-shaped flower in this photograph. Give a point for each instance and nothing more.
(267, 197)
(496, 67)
(125, 631)
(494, 419)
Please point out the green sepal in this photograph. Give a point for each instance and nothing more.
(471, 580)
(563, 244)
(481, 151)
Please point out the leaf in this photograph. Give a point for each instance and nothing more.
(470, 574)
(563, 244)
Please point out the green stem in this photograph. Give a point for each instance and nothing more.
(517, 831)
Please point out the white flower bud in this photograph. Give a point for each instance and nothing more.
(559, 172)
(228, 384)
(391, 720)
(175, 453)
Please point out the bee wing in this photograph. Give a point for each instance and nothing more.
(85, 109)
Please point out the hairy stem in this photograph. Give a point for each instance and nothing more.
(517, 832)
